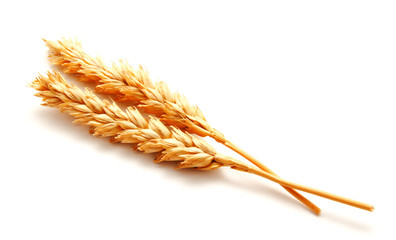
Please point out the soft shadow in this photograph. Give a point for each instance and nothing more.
(251, 184)
(347, 222)
(62, 123)
(56, 121)
(258, 186)
(190, 176)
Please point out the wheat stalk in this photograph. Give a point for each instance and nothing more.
(129, 84)
(150, 136)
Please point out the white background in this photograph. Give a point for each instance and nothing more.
(307, 87)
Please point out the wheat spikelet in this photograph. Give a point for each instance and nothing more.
(129, 84)
(151, 136)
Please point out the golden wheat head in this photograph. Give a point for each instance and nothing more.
(131, 84)
(108, 120)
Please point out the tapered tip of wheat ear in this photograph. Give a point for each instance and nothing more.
(151, 136)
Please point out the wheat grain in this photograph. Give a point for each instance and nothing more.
(129, 84)
(151, 136)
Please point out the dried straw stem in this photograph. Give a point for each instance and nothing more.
(151, 136)
(129, 84)
(259, 172)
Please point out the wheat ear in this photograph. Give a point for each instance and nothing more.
(129, 84)
(151, 136)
